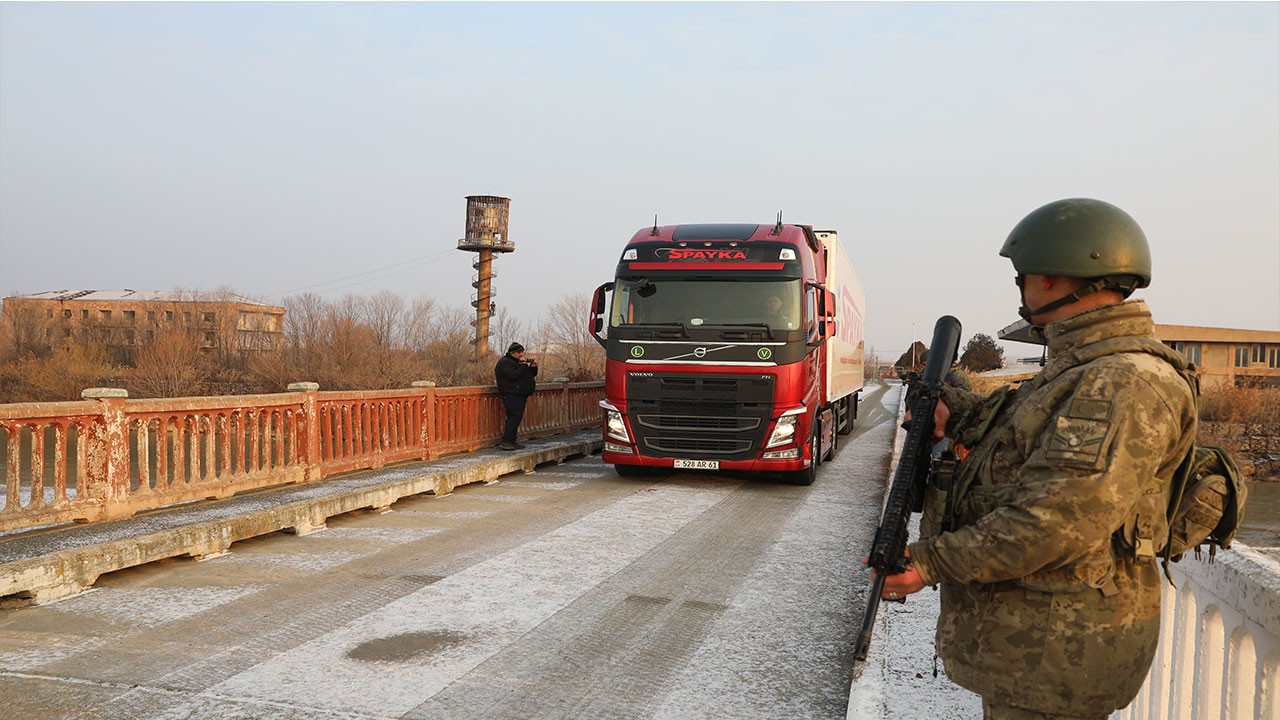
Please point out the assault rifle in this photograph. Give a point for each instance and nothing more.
(906, 494)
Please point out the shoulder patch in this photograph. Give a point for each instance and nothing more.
(1089, 409)
(1077, 441)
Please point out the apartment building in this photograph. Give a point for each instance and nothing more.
(125, 319)
(1225, 356)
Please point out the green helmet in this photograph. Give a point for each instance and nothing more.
(1081, 238)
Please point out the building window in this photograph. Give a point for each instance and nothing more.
(1242, 356)
(151, 335)
(130, 315)
(48, 313)
(209, 317)
(1191, 351)
(66, 332)
(105, 315)
(84, 314)
(151, 316)
(128, 337)
(1273, 356)
(168, 316)
(186, 318)
(1259, 352)
(66, 314)
(209, 339)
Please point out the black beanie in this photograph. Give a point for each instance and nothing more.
(515, 348)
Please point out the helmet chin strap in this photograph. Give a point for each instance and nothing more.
(1094, 286)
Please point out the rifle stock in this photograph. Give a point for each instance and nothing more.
(888, 550)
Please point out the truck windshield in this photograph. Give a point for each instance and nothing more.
(703, 302)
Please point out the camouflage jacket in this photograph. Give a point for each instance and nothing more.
(1050, 585)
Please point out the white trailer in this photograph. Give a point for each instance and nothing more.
(846, 349)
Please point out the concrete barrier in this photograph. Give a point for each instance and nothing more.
(43, 566)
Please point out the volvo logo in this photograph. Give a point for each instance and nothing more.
(637, 351)
(764, 353)
(700, 352)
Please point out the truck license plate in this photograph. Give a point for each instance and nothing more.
(697, 464)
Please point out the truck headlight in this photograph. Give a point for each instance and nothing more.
(784, 431)
(615, 427)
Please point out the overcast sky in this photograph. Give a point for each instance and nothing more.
(272, 148)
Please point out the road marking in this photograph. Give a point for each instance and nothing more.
(480, 611)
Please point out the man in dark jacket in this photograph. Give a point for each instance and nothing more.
(515, 378)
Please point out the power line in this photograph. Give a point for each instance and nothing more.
(361, 282)
(420, 261)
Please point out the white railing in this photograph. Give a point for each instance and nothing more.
(1219, 654)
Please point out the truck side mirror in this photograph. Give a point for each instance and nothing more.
(599, 308)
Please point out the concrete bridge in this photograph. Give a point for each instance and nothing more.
(357, 569)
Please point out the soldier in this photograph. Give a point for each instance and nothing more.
(1045, 545)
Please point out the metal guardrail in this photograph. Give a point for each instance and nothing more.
(108, 457)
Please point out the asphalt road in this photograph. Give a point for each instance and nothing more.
(564, 593)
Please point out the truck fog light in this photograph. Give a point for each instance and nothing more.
(791, 454)
(616, 448)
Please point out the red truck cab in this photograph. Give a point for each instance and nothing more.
(723, 349)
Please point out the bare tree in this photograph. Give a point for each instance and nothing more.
(567, 340)
(448, 357)
(305, 317)
(172, 365)
(385, 315)
(59, 376)
(506, 330)
(417, 323)
(23, 332)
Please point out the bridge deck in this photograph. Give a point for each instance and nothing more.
(562, 592)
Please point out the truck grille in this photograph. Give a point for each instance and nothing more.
(691, 423)
(692, 416)
(698, 446)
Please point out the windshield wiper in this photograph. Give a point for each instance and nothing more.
(659, 326)
(768, 330)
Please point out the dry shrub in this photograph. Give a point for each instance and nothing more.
(1245, 421)
(172, 365)
(1236, 404)
(60, 376)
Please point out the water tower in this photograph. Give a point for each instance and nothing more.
(486, 235)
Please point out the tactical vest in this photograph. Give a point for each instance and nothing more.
(1205, 503)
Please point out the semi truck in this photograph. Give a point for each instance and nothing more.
(730, 347)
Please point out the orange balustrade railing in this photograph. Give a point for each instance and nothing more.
(109, 457)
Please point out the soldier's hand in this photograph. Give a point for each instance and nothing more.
(900, 585)
(941, 414)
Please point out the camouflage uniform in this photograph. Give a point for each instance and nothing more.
(1050, 584)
